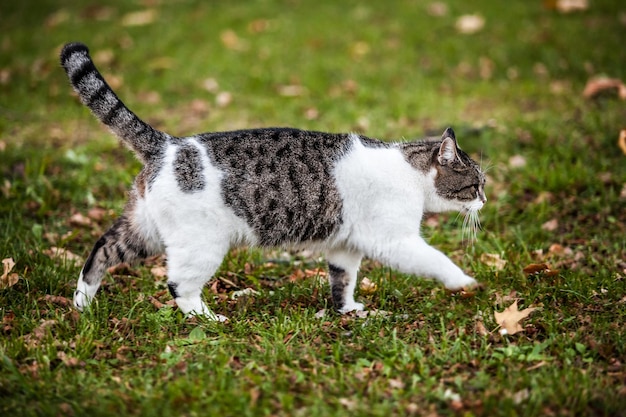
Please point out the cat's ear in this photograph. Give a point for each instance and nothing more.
(448, 133)
(447, 151)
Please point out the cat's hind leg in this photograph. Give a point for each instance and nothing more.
(343, 266)
(189, 267)
(121, 243)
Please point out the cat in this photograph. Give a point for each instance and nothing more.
(346, 195)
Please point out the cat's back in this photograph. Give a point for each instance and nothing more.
(270, 148)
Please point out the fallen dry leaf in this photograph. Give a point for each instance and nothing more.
(517, 161)
(156, 303)
(223, 99)
(159, 271)
(292, 90)
(79, 219)
(560, 250)
(621, 142)
(494, 260)
(599, 85)
(363, 314)
(140, 18)
(437, 8)
(509, 319)
(246, 292)
(480, 328)
(542, 268)
(98, 213)
(63, 255)
(569, 6)
(550, 225)
(56, 299)
(501, 299)
(367, 286)
(470, 23)
(8, 279)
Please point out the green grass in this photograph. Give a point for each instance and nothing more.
(389, 70)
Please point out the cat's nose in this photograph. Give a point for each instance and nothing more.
(483, 197)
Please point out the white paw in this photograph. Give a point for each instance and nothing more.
(464, 281)
(84, 294)
(348, 307)
(195, 307)
(81, 300)
(219, 318)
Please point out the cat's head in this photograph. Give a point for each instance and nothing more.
(458, 180)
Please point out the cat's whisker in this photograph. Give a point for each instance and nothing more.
(471, 226)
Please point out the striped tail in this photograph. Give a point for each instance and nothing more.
(147, 142)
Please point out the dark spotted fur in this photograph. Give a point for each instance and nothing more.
(279, 181)
(338, 283)
(188, 169)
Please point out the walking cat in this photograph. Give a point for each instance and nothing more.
(344, 194)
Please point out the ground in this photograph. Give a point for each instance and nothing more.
(518, 81)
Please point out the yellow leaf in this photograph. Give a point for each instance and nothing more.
(621, 142)
(139, 18)
(7, 279)
(493, 260)
(367, 286)
(470, 23)
(509, 319)
(63, 255)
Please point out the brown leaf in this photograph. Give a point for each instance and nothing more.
(598, 85)
(56, 299)
(33, 338)
(156, 303)
(509, 319)
(621, 142)
(480, 328)
(159, 271)
(560, 250)
(79, 219)
(501, 299)
(550, 225)
(97, 213)
(437, 8)
(8, 279)
(543, 268)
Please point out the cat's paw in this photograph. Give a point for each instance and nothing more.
(348, 307)
(464, 281)
(84, 294)
(194, 306)
(217, 317)
(81, 300)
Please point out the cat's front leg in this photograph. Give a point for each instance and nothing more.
(415, 256)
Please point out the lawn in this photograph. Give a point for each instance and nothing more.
(510, 81)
